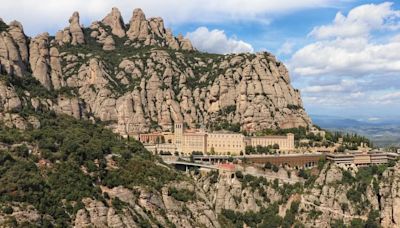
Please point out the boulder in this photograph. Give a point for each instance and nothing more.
(109, 44)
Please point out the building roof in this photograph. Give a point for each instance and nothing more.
(269, 136)
(225, 132)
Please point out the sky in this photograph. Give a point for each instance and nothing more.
(344, 56)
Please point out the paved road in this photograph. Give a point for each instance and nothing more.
(267, 176)
(191, 164)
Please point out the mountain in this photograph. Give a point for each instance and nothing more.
(65, 101)
(335, 121)
(139, 77)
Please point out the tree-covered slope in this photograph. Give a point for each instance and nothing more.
(54, 166)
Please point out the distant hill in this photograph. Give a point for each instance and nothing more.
(335, 122)
(383, 131)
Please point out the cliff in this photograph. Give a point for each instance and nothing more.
(139, 77)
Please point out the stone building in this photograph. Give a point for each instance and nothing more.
(360, 158)
(157, 138)
(151, 138)
(225, 142)
(186, 141)
(285, 143)
(196, 141)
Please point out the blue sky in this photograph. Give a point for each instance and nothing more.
(344, 56)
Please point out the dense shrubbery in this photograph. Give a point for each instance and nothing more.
(224, 125)
(22, 181)
(65, 138)
(299, 133)
(266, 217)
(35, 88)
(29, 83)
(270, 149)
(139, 171)
(183, 195)
(214, 174)
(256, 183)
(359, 184)
(68, 145)
(260, 183)
(365, 175)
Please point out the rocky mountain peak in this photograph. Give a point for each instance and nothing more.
(16, 25)
(13, 49)
(137, 16)
(16, 30)
(115, 21)
(140, 78)
(76, 30)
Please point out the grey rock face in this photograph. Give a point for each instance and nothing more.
(45, 62)
(13, 50)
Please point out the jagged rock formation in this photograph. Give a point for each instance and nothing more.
(17, 33)
(76, 30)
(72, 34)
(13, 49)
(140, 76)
(115, 21)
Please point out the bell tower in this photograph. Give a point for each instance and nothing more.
(178, 131)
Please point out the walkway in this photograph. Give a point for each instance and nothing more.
(323, 208)
(273, 177)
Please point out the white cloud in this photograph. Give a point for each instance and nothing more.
(348, 46)
(352, 65)
(343, 86)
(44, 15)
(286, 48)
(360, 21)
(388, 98)
(216, 41)
(350, 56)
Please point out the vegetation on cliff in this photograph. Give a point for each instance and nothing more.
(63, 161)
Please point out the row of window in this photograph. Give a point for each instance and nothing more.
(223, 145)
(225, 136)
